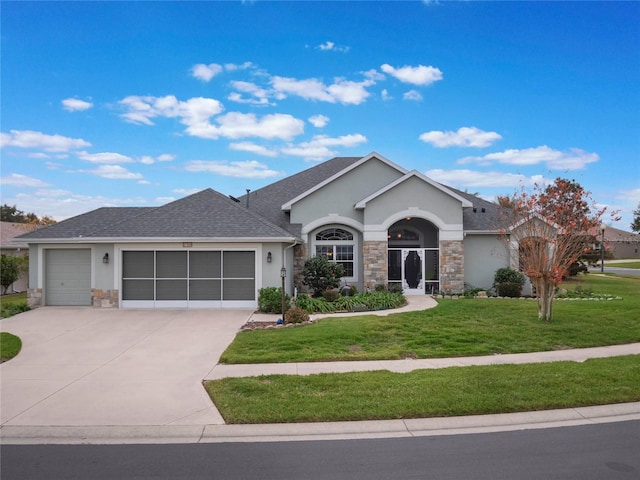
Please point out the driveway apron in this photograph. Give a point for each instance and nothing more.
(84, 366)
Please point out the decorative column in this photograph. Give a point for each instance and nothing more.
(34, 297)
(452, 266)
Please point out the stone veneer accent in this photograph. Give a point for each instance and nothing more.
(374, 259)
(104, 298)
(452, 266)
(34, 297)
(299, 259)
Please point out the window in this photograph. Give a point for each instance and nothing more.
(337, 244)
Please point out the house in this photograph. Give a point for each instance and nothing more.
(385, 225)
(8, 231)
(621, 244)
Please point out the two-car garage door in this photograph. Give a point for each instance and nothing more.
(188, 279)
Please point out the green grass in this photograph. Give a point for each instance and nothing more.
(426, 393)
(461, 327)
(10, 346)
(622, 264)
(13, 304)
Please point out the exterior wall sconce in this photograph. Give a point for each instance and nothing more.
(105, 259)
(269, 257)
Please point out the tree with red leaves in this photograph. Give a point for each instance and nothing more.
(550, 227)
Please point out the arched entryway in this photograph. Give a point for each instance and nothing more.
(413, 256)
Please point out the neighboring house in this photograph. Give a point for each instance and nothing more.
(621, 244)
(8, 231)
(384, 224)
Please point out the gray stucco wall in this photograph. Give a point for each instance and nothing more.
(343, 193)
(483, 255)
(413, 192)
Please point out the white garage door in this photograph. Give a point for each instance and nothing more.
(68, 277)
(188, 279)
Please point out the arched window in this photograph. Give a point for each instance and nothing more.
(338, 245)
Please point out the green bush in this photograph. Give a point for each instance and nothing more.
(270, 300)
(314, 305)
(509, 289)
(320, 274)
(348, 291)
(14, 309)
(508, 282)
(369, 301)
(331, 295)
(296, 315)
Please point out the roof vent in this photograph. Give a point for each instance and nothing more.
(483, 210)
(475, 209)
(248, 190)
(234, 199)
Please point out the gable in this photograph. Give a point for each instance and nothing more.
(413, 192)
(339, 194)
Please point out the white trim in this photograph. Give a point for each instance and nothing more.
(357, 254)
(413, 173)
(194, 240)
(331, 218)
(446, 231)
(287, 206)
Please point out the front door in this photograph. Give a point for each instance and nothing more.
(413, 271)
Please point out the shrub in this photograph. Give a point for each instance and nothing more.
(577, 267)
(320, 274)
(270, 300)
(508, 282)
(14, 309)
(348, 291)
(509, 289)
(314, 305)
(296, 315)
(347, 303)
(331, 295)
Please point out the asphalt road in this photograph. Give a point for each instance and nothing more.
(617, 270)
(605, 451)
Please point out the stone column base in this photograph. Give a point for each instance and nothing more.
(104, 298)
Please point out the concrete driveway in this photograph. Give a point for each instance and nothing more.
(84, 366)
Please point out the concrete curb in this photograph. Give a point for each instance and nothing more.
(188, 434)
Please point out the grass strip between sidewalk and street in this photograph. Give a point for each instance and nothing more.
(384, 395)
(463, 327)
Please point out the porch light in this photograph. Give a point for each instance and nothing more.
(105, 259)
(269, 257)
(603, 227)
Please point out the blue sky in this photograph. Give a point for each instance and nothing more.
(139, 103)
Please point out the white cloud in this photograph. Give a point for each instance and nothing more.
(631, 195)
(574, 159)
(206, 72)
(194, 112)
(241, 125)
(412, 95)
(419, 75)
(464, 137)
(149, 160)
(104, 157)
(259, 95)
(18, 180)
(49, 143)
(319, 121)
(230, 67)
(75, 105)
(186, 191)
(385, 95)
(320, 146)
(330, 46)
(474, 178)
(114, 172)
(247, 169)
(253, 148)
(341, 91)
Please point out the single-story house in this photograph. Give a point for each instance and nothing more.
(621, 244)
(9, 246)
(385, 225)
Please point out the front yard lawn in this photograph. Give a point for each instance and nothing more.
(383, 395)
(462, 327)
(10, 346)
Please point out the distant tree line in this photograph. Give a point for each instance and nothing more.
(10, 213)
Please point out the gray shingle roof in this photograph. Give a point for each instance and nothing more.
(206, 214)
(482, 217)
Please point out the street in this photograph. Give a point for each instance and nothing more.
(604, 451)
